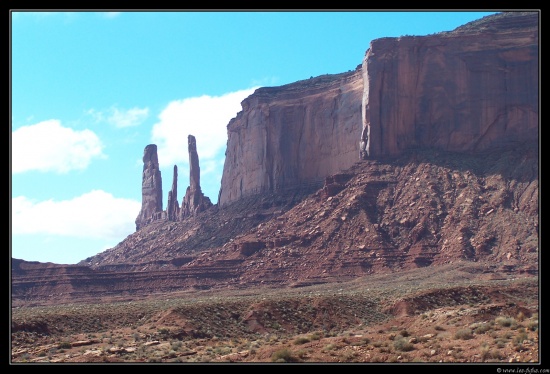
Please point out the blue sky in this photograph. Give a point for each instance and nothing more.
(89, 90)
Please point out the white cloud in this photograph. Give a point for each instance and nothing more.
(120, 117)
(48, 146)
(96, 214)
(205, 117)
(127, 118)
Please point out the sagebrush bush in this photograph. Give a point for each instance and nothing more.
(520, 338)
(315, 336)
(533, 325)
(505, 321)
(481, 328)
(401, 344)
(463, 334)
(283, 355)
(301, 340)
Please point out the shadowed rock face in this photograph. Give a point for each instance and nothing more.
(293, 135)
(194, 200)
(151, 188)
(466, 90)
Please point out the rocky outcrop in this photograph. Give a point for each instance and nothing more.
(194, 200)
(173, 209)
(466, 90)
(472, 198)
(292, 135)
(422, 209)
(151, 188)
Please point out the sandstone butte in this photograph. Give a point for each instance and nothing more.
(465, 90)
(347, 136)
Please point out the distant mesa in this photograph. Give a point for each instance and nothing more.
(193, 202)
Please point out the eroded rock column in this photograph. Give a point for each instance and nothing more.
(172, 210)
(194, 200)
(151, 188)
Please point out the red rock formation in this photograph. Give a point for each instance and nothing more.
(173, 209)
(294, 134)
(151, 188)
(194, 200)
(466, 90)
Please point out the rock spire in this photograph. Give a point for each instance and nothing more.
(151, 188)
(194, 200)
(172, 210)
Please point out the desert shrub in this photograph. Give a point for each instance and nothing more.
(404, 333)
(457, 355)
(301, 340)
(505, 321)
(439, 328)
(176, 345)
(350, 356)
(301, 353)
(64, 345)
(172, 354)
(520, 317)
(520, 337)
(480, 328)
(488, 353)
(463, 334)
(495, 355)
(315, 336)
(401, 344)
(283, 355)
(533, 325)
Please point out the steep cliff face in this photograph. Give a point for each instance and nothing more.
(466, 90)
(293, 135)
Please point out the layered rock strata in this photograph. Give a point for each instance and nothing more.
(462, 91)
(194, 200)
(151, 188)
(292, 135)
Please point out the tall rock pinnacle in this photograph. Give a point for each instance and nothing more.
(194, 168)
(194, 200)
(172, 209)
(151, 188)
